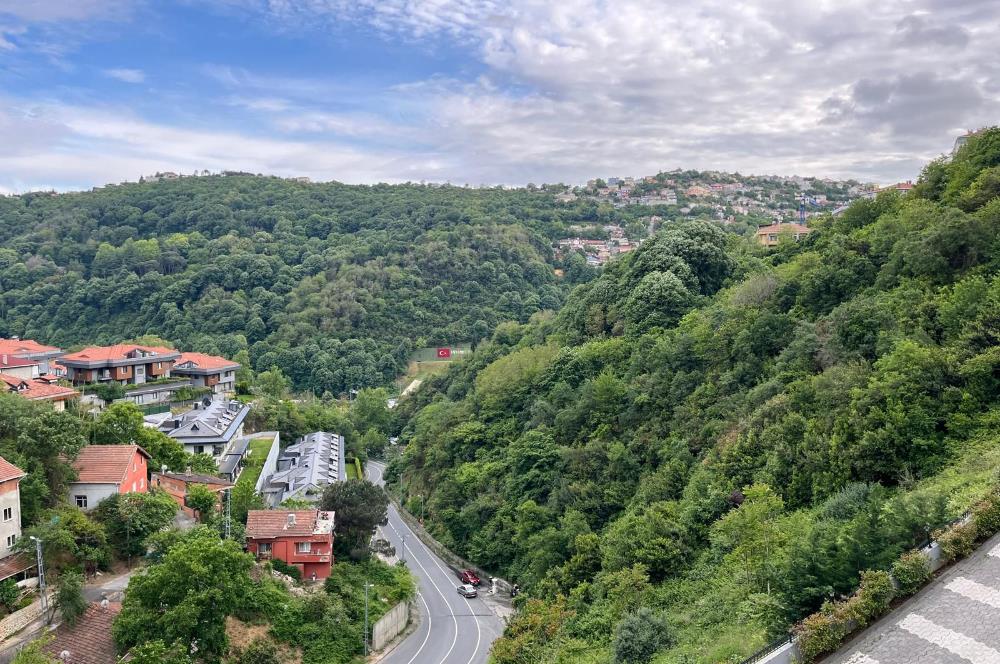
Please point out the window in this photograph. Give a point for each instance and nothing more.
(8, 513)
(216, 450)
(159, 365)
(303, 547)
(140, 370)
(81, 501)
(199, 449)
(10, 540)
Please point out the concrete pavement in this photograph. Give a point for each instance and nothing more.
(452, 629)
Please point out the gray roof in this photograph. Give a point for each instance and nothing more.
(315, 461)
(214, 422)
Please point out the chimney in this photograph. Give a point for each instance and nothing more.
(291, 520)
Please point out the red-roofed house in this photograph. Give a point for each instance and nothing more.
(207, 371)
(38, 389)
(30, 350)
(303, 538)
(177, 486)
(127, 364)
(10, 504)
(104, 470)
(89, 641)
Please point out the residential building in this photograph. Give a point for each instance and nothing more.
(306, 468)
(19, 366)
(29, 349)
(211, 371)
(104, 470)
(38, 389)
(303, 538)
(212, 426)
(90, 640)
(10, 504)
(769, 236)
(177, 486)
(126, 364)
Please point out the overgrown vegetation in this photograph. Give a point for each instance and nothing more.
(727, 436)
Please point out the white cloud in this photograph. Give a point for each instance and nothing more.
(126, 75)
(65, 10)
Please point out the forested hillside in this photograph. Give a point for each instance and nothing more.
(723, 437)
(335, 284)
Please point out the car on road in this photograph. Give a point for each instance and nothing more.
(467, 576)
(467, 591)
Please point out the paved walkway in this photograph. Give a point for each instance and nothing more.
(955, 620)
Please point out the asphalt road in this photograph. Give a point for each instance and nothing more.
(453, 629)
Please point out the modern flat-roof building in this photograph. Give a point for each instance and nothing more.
(212, 426)
(211, 371)
(306, 468)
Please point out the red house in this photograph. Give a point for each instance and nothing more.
(104, 470)
(303, 538)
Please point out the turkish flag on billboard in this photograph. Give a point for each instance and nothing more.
(444, 352)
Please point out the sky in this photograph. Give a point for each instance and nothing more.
(488, 91)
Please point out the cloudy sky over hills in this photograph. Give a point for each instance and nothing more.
(484, 91)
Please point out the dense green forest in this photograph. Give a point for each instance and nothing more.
(335, 284)
(709, 440)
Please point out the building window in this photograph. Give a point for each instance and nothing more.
(10, 540)
(81, 502)
(8, 513)
(199, 449)
(216, 450)
(264, 550)
(159, 365)
(303, 547)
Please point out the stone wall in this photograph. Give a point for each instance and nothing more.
(390, 625)
(18, 620)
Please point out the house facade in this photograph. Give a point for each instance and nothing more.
(211, 371)
(38, 389)
(126, 364)
(10, 506)
(106, 470)
(770, 236)
(303, 538)
(29, 349)
(177, 485)
(213, 427)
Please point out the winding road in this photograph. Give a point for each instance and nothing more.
(453, 629)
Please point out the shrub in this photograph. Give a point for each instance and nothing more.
(69, 597)
(9, 594)
(911, 572)
(986, 515)
(820, 633)
(872, 598)
(286, 569)
(639, 636)
(957, 541)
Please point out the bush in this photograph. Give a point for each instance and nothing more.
(260, 651)
(9, 594)
(639, 636)
(986, 515)
(957, 541)
(286, 569)
(69, 597)
(820, 633)
(872, 598)
(911, 572)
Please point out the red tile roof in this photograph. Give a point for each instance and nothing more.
(105, 464)
(774, 228)
(203, 361)
(16, 346)
(268, 524)
(90, 640)
(9, 471)
(195, 478)
(116, 352)
(15, 564)
(37, 390)
(8, 361)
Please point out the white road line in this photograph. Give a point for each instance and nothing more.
(430, 622)
(995, 551)
(861, 658)
(954, 642)
(975, 591)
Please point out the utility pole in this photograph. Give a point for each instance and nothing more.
(421, 509)
(41, 573)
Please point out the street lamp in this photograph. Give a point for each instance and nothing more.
(421, 496)
(41, 572)
(403, 549)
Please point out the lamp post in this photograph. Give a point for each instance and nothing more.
(41, 572)
(421, 509)
(367, 586)
(403, 549)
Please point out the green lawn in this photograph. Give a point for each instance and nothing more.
(259, 447)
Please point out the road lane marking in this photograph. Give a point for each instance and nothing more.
(954, 642)
(430, 622)
(861, 658)
(995, 551)
(975, 591)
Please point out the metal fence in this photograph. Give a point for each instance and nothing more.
(768, 649)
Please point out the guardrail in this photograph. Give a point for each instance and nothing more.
(768, 649)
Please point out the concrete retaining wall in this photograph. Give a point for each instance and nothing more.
(390, 625)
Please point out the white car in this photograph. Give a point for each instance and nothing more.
(467, 591)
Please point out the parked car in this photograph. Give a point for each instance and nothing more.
(469, 577)
(467, 591)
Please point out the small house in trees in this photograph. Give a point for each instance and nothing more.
(301, 538)
(106, 470)
(177, 486)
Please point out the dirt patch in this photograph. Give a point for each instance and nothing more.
(242, 634)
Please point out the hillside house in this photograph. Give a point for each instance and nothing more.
(27, 349)
(306, 468)
(177, 486)
(126, 364)
(38, 389)
(769, 236)
(204, 370)
(10, 504)
(212, 426)
(106, 470)
(303, 538)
